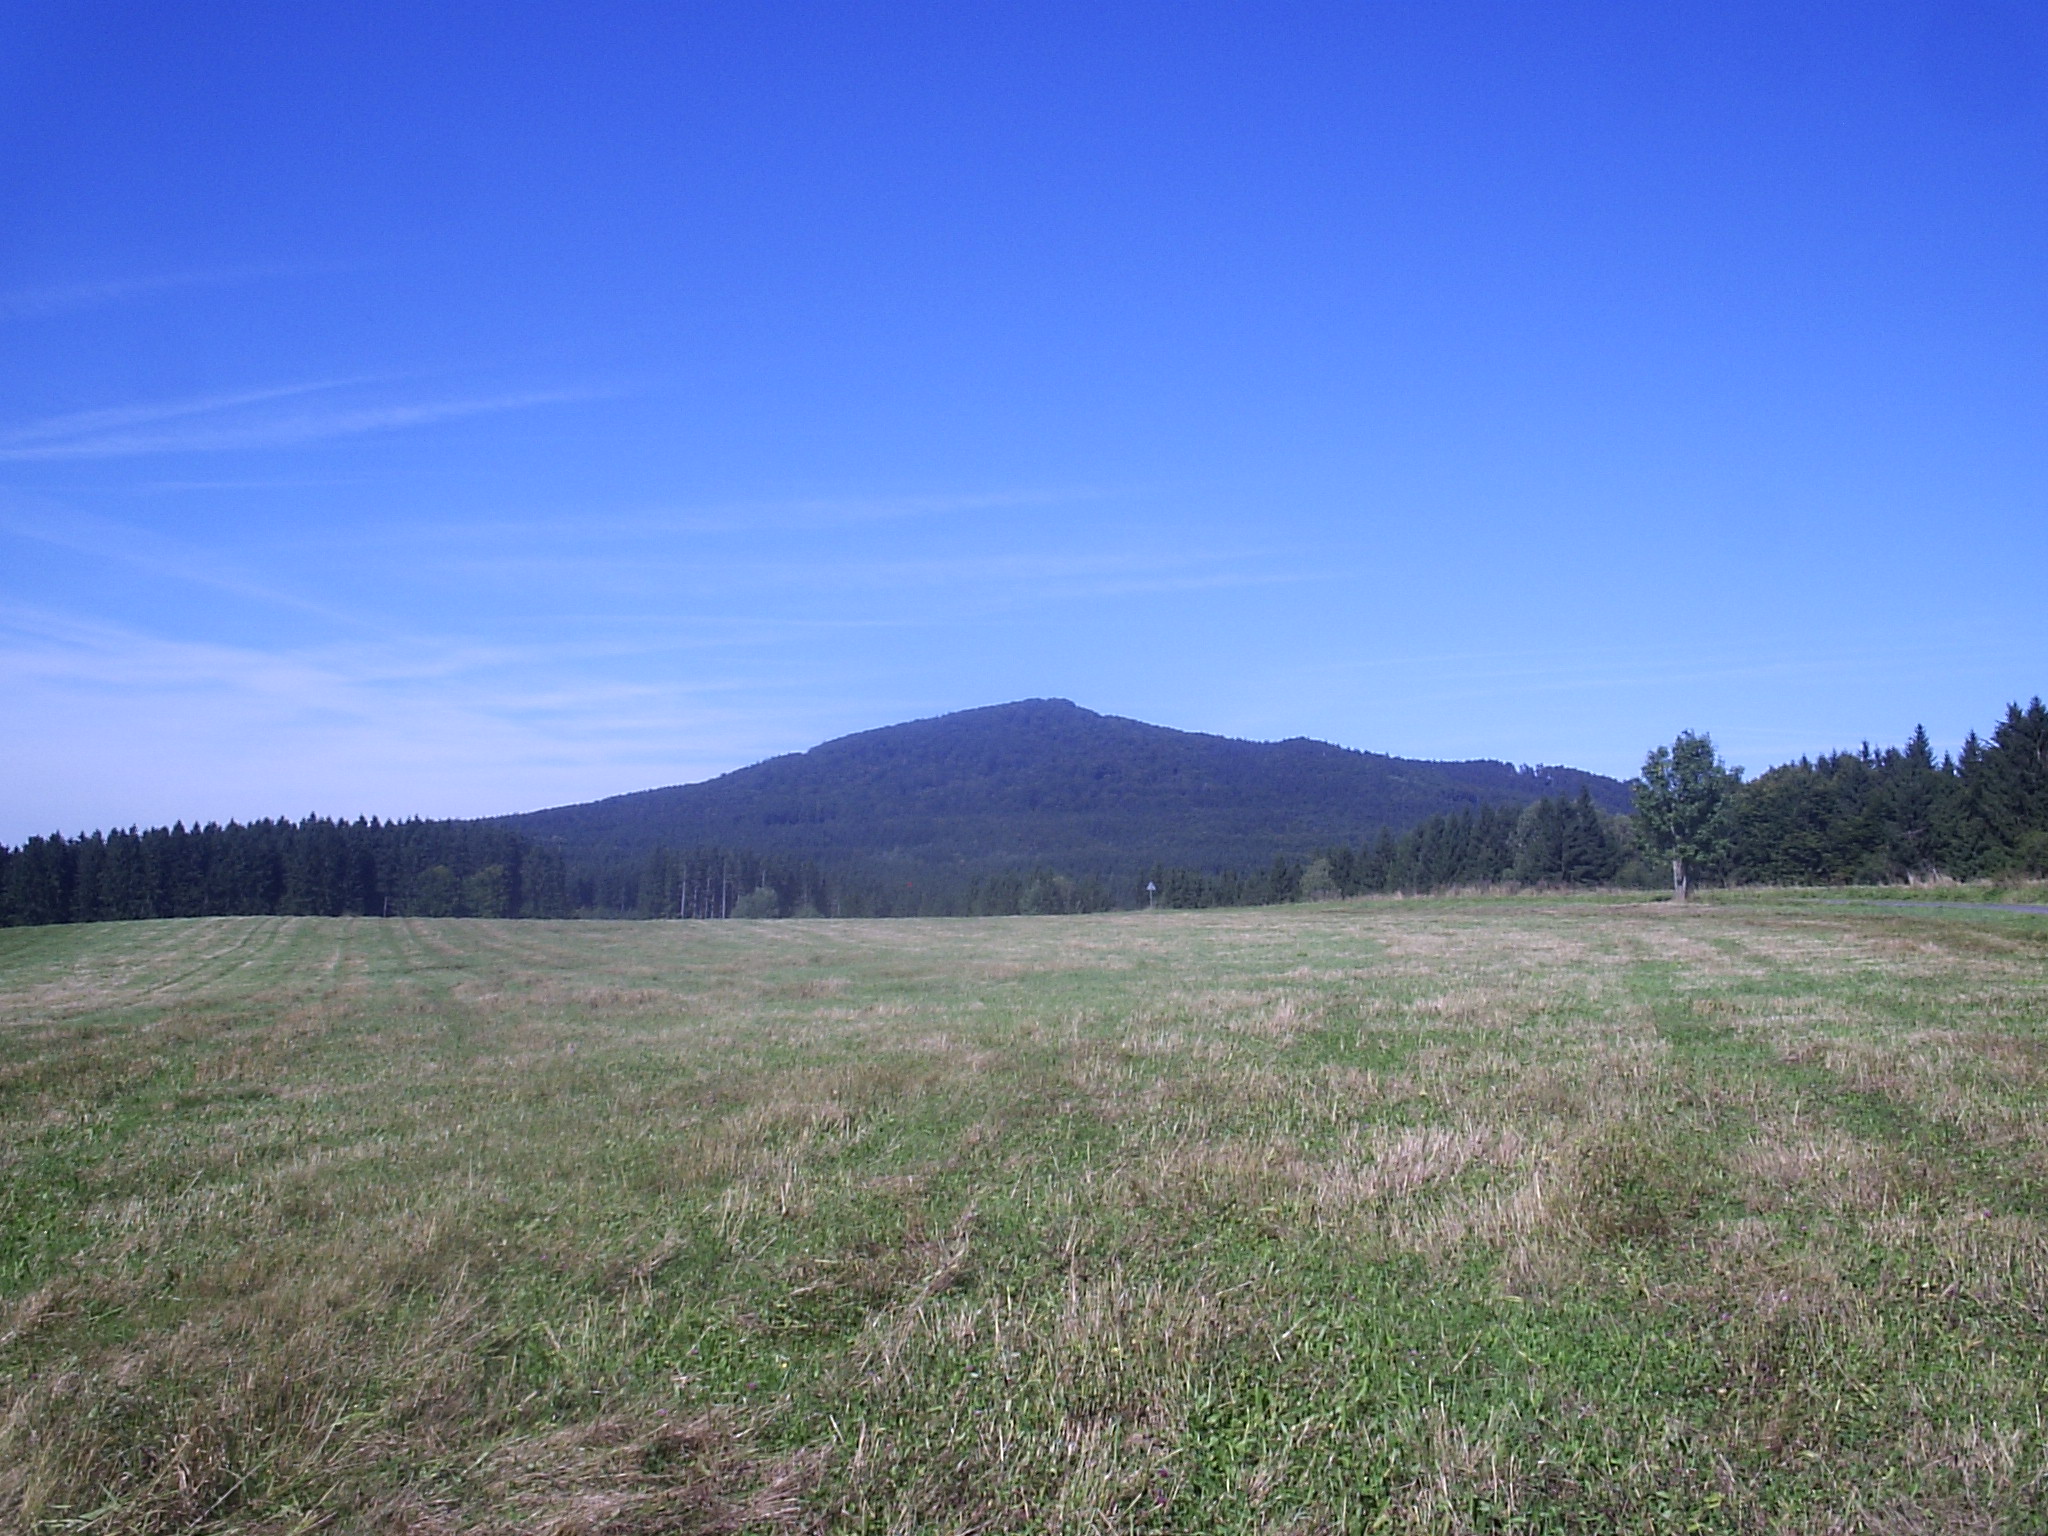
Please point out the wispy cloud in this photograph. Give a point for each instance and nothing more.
(64, 298)
(808, 514)
(814, 514)
(274, 483)
(245, 419)
(943, 585)
(141, 549)
(624, 598)
(402, 727)
(1472, 674)
(87, 426)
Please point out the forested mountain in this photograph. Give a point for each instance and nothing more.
(933, 806)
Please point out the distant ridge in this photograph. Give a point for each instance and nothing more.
(1046, 783)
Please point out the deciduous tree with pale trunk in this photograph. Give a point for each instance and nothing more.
(1684, 807)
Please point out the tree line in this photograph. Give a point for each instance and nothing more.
(719, 882)
(736, 882)
(1898, 814)
(1862, 817)
(711, 883)
(315, 868)
(1559, 841)
(1869, 816)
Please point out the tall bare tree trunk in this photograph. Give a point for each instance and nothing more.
(1681, 880)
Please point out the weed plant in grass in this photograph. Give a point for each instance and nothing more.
(1506, 1215)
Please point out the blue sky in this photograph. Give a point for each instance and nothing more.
(460, 409)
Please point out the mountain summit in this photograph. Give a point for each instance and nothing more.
(1044, 782)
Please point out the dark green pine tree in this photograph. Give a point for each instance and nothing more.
(1496, 838)
(40, 881)
(124, 893)
(1914, 791)
(2014, 801)
(1974, 843)
(1539, 844)
(88, 858)
(1376, 870)
(1587, 855)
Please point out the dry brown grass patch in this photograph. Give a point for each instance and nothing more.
(1784, 1168)
(646, 1475)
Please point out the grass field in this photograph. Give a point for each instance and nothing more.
(1487, 1215)
(1988, 892)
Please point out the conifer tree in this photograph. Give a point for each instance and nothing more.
(2013, 802)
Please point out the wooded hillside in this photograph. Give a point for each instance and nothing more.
(943, 802)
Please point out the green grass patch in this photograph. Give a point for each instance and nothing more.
(1463, 1215)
